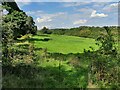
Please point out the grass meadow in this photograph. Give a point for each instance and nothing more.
(64, 44)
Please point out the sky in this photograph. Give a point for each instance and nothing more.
(68, 14)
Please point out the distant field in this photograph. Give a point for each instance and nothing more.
(63, 44)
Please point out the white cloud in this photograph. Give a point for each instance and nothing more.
(72, 4)
(114, 5)
(48, 17)
(111, 7)
(79, 16)
(44, 19)
(85, 10)
(36, 13)
(95, 14)
(79, 22)
(57, 20)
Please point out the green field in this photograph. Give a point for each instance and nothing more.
(64, 44)
(78, 52)
(65, 66)
(64, 71)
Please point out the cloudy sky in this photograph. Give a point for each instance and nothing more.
(71, 14)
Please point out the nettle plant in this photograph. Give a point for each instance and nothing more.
(104, 61)
(107, 43)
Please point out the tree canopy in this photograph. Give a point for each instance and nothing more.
(22, 23)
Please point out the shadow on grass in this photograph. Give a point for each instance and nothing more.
(37, 49)
(43, 35)
(63, 57)
(27, 76)
(36, 39)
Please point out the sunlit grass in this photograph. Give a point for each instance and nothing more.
(65, 44)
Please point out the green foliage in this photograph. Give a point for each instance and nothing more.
(104, 71)
(45, 31)
(59, 70)
(47, 73)
(7, 41)
(30, 25)
(15, 24)
(26, 64)
(22, 24)
(84, 31)
(107, 43)
(10, 6)
(105, 63)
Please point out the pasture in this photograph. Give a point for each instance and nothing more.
(63, 44)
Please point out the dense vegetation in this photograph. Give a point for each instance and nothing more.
(82, 31)
(83, 57)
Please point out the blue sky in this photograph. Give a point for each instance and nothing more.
(71, 14)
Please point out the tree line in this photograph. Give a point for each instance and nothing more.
(82, 31)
